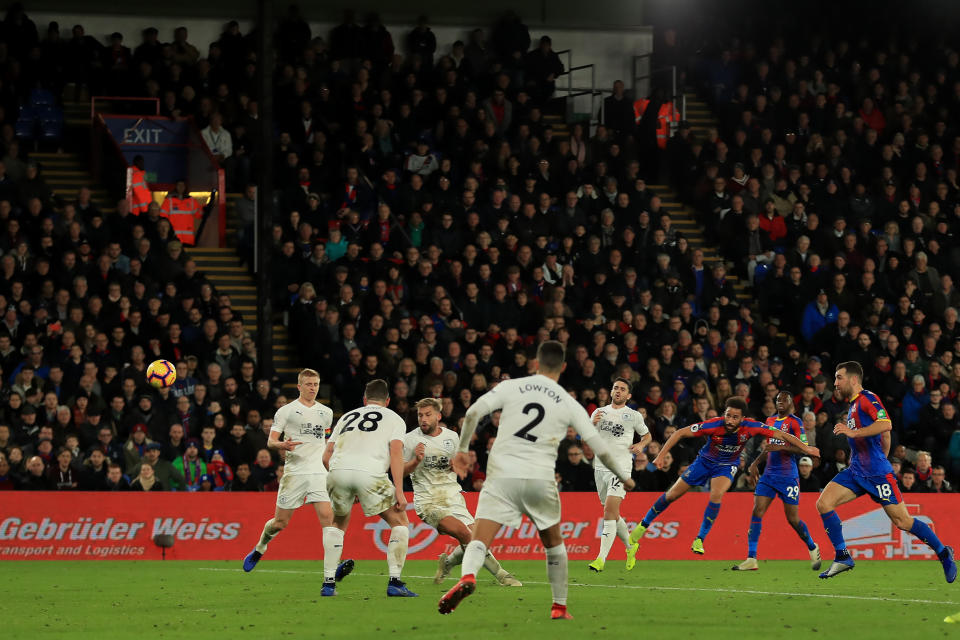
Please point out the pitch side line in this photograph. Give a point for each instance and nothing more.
(834, 596)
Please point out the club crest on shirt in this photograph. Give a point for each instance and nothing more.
(314, 430)
(449, 446)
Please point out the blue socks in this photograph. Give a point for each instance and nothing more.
(753, 536)
(658, 507)
(709, 516)
(923, 531)
(804, 534)
(834, 528)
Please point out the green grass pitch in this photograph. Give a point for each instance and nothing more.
(658, 599)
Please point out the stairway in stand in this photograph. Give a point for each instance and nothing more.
(66, 173)
(223, 269)
(699, 116)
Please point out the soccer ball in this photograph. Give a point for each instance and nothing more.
(161, 374)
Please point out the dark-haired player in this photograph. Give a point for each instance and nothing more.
(717, 462)
(520, 470)
(780, 478)
(868, 430)
(616, 423)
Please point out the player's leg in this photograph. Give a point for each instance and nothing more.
(452, 527)
(611, 520)
(905, 522)
(333, 569)
(718, 486)
(761, 502)
(679, 488)
(484, 531)
(791, 509)
(397, 551)
(273, 526)
(841, 490)
(557, 570)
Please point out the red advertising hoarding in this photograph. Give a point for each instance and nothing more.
(225, 526)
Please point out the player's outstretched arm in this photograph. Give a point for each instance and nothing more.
(678, 435)
(792, 440)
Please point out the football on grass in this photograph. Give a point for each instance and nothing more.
(161, 374)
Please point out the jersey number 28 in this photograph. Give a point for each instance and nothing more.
(370, 421)
(537, 419)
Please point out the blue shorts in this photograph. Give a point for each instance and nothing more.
(772, 486)
(701, 471)
(882, 489)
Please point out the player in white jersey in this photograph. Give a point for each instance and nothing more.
(437, 497)
(366, 443)
(520, 470)
(617, 424)
(303, 423)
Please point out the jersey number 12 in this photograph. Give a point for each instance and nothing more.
(525, 431)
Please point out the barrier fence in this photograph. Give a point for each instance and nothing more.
(225, 526)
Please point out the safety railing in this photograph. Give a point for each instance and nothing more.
(572, 91)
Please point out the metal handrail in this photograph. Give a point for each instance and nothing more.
(573, 92)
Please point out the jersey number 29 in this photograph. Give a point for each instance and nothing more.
(525, 431)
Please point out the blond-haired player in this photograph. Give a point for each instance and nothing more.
(303, 424)
(437, 497)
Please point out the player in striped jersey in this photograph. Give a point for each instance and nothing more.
(868, 431)
(617, 423)
(780, 478)
(717, 462)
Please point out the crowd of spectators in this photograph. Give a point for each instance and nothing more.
(432, 228)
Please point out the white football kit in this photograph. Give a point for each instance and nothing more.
(520, 469)
(304, 476)
(616, 428)
(436, 492)
(361, 459)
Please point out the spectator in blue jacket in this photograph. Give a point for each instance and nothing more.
(818, 314)
(914, 400)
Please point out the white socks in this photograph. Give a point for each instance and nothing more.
(606, 539)
(265, 537)
(473, 558)
(556, 572)
(397, 550)
(332, 550)
(491, 564)
(623, 532)
(455, 557)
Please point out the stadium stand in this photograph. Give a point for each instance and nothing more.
(437, 218)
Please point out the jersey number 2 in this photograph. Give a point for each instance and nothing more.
(370, 422)
(525, 431)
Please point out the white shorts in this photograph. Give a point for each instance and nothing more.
(376, 493)
(608, 484)
(432, 512)
(506, 500)
(297, 490)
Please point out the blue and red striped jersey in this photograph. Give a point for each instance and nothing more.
(783, 464)
(724, 447)
(867, 457)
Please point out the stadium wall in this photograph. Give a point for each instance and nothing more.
(225, 526)
(611, 49)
